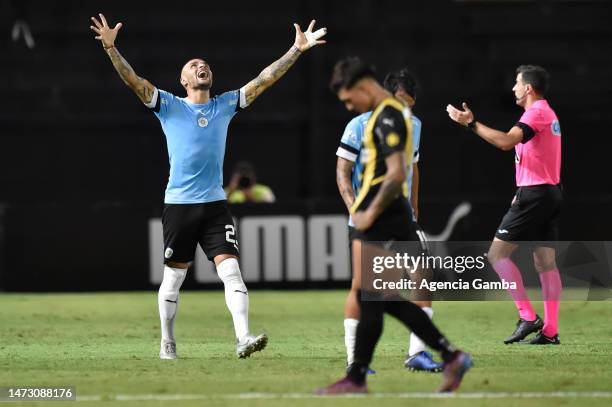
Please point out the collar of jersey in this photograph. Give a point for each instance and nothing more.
(197, 104)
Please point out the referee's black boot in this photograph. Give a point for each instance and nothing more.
(541, 339)
(524, 328)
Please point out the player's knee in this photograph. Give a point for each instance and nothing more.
(494, 255)
(229, 272)
(544, 260)
(172, 281)
(351, 305)
(544, 265)
(177, 265)
(500, 250)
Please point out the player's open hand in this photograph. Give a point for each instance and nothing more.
(463, 117)
(106, 34)
(308, 39)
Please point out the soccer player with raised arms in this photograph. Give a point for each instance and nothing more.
(403, 85)
(195, 210)
(534, 214)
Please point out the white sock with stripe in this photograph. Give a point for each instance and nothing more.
(236, 295)
(167, 299)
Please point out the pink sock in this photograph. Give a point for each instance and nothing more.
(551, 293)
(507, 270)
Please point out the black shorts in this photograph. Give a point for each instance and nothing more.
(353, 234)
(534, 215)
(394, 224)
(209, 224)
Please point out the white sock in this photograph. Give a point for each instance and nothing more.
(167, 299)
(236, 296)
(350, 336)
(416, 344)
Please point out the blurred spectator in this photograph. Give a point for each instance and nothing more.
(21, 28)
(243, 186)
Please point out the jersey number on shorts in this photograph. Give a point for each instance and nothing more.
(230, 235)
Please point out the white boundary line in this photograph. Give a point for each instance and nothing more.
(279, 396)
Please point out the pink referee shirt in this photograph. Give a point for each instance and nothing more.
(538, 155)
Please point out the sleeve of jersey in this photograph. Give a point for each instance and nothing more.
(159, 102)
(416, 140)
(350, 143)
(229, 102)
(531, 123)
(391, 131)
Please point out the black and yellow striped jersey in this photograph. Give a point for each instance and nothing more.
(389, 130)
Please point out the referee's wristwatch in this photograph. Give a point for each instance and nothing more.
(472, 125)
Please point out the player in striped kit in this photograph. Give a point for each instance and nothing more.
(382, 215)
(403, 86)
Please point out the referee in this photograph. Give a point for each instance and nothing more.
(535, 210)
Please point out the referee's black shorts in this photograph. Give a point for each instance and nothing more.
(534, 215)
(209, 224)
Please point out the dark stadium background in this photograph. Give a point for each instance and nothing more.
(83, 164)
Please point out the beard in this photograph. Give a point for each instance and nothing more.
(202, 85)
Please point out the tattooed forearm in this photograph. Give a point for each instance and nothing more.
(348, 196)
(122, 66)
(271, 74)
(343, 179)
(140, 86)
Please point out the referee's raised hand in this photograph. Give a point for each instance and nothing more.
(463, 117)
(106, 34)
(308, 39)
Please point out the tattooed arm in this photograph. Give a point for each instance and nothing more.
(143, 88)
(267, 77)
(270, 75)
(344, 169)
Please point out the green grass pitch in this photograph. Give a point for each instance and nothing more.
(107, 345)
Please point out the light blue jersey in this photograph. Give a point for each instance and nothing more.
(350, 146)
(195, 135)
(351, 143)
